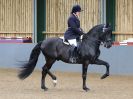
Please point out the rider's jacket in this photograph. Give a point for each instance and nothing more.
(74, 31)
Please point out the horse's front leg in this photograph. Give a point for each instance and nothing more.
(101, 62)
(84, 74)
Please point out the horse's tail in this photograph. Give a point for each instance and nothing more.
(28, 67)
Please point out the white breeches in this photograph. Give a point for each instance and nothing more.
(73, 42)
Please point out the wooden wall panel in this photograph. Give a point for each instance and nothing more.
(58, 11)
(16, 16)
(124, 19)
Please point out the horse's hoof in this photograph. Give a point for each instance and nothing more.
(54, 82)
(104, 76)
(86, 89)
(44, 88)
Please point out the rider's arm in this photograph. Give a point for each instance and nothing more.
(73, 26)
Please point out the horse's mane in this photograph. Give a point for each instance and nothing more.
(95, 29)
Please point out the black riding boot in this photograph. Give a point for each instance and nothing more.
(73, 55)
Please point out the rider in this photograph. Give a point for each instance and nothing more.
(73, 33)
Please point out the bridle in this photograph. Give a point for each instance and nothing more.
(100, 41)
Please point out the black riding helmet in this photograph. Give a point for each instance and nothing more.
(76, 8)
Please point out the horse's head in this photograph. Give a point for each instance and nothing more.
(100, 33)
(106, 35)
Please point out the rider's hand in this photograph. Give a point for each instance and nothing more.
(82, 30)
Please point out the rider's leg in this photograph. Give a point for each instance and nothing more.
(73, 52)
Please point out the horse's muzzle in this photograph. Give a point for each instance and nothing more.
(108, 44)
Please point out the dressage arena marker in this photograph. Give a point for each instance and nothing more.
(128, 41)
(15, 40)
(123, 43)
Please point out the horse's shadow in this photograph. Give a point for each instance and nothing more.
(66, 90)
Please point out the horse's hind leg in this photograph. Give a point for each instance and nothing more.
(53, 77)
(45, 70)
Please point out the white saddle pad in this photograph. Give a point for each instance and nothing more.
(71, 42)
(64, 40)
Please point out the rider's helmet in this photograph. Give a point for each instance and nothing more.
(76, 8)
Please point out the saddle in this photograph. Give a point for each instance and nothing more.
(73, 52)
(64, 41)
(71, 42)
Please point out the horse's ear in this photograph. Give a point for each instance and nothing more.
(106, 26)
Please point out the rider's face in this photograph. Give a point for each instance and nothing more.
(78, 13)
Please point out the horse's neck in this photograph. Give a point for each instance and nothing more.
(90, 38)
(90, 43)
(89, 47)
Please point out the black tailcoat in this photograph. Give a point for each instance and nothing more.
(74, 31)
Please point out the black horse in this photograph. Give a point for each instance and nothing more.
(54, 49)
